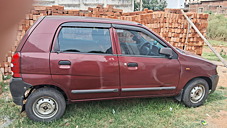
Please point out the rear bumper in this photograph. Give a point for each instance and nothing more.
(17, 89)
(214, 80)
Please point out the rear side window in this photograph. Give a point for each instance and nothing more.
(85, 40)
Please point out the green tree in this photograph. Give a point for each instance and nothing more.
(151, 4)
(136, 6)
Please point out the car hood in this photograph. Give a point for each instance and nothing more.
(197, 57)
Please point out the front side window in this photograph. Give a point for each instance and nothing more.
(85, 40)
(138, 43)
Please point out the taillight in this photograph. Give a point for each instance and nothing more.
(15, 67)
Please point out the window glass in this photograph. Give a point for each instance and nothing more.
(138, 43)
(85, 40)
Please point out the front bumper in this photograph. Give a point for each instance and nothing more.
(17, 88)
(214, 80)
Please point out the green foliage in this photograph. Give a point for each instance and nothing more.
(136, 6)
(217, 27)
(151, 4)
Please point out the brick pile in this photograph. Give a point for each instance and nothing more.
(169, 24)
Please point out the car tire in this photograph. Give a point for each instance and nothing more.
(45, 105)
(195, 93)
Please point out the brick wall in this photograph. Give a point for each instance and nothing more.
(219, 7)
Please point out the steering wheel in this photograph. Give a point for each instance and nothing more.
(145, 46)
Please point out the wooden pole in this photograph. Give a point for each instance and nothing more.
(186, 41)
(141, 5)
(205, 40)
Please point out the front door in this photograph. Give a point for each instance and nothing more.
(84, 61)
(143, 70)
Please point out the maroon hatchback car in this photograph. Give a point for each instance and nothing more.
(65, 59)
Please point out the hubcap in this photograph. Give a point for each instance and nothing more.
(197, 93)
(45, 107)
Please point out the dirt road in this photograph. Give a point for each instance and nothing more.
(219, 120)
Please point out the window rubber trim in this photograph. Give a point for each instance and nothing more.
(87, 24)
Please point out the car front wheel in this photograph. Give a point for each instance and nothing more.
(195, 92)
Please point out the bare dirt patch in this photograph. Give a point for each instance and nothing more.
(222, 72)
(217, 48)
(218, 121)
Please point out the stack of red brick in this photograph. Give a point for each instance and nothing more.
(170, 24)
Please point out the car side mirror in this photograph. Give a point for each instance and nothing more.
(166, 51)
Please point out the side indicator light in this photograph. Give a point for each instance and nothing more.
(187, 69)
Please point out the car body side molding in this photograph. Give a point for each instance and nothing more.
(94, 91)
(147, 89)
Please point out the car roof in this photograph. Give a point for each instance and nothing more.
(89, 19)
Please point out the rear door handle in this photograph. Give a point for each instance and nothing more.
(64, 62)
(132, 65)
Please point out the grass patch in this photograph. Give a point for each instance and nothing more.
(222, 50)
(223, 88)
(212, 56)
(4, 86)
(218, 43)
(133, 113)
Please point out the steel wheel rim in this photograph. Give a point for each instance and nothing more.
(45, 107)
(197, 93)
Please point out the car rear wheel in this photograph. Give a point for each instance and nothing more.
(195, 92)
(45, 104)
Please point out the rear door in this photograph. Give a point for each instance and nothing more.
(84, 61)
(143, 70)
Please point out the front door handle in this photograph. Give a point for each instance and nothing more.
(132, 65)
(64, 62)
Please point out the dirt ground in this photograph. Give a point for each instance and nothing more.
(219, 120)
(222, 72)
